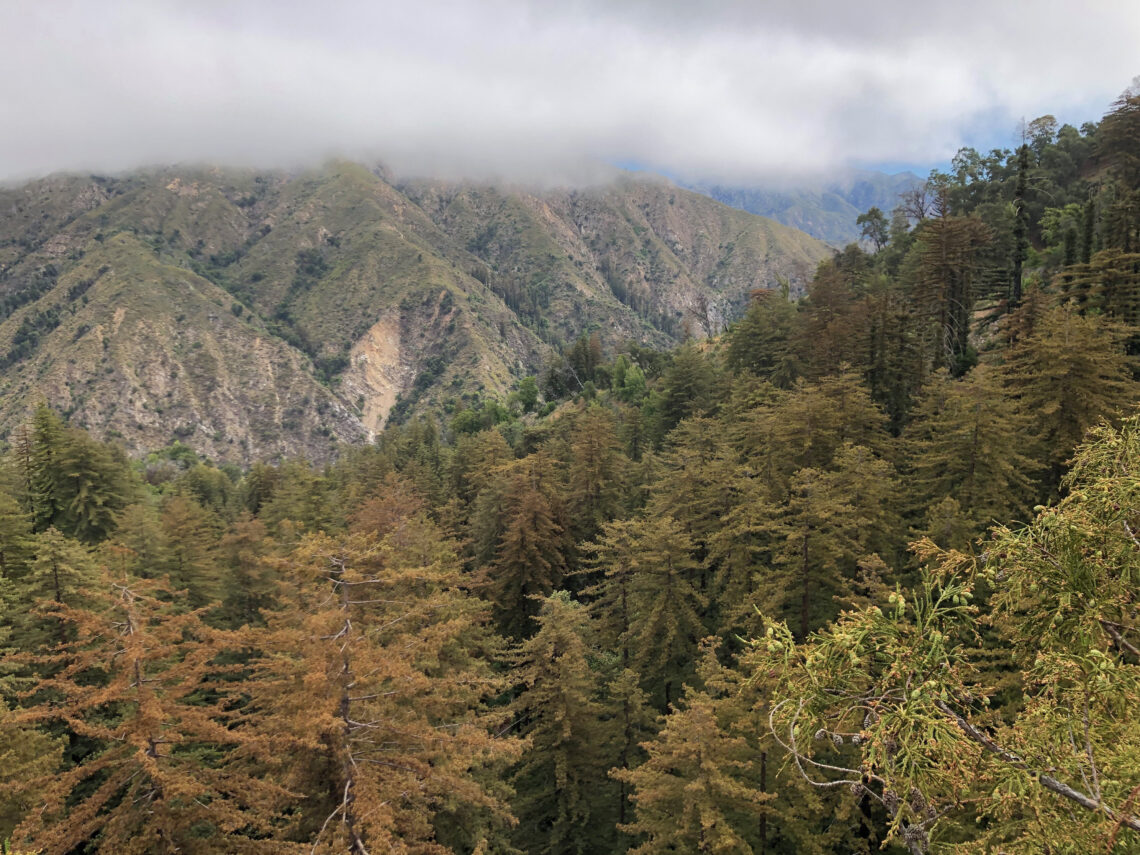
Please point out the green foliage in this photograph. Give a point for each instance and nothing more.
(324, 644)
(560, 780)
(900, 682)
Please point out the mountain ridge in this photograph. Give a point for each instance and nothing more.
(144, 304)
(826, 209)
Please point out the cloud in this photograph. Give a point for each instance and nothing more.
(544, 90)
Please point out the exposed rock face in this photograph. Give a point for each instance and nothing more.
(377, 373)
(256, 315)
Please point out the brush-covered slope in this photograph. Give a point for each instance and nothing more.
(255, 314)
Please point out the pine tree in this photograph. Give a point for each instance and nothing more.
(760, 341)
(192, 533)
(694, 486)
(689, 794)
(614, 558)
(15, 538)
(375, 672)
(687, 387)
(633, 723)
(48, 436)
(905, 684)
(172, 772)
(831, 519)
(59, 572)
(248, 585)
(1020, 228)
(27, 755)
(945, 277)
(532, 554)
(140, 544)
(806, 426)
(73, 483)
(1065, 376)
(967, 442)
(560, 781)
(595, 475)
(666, 618)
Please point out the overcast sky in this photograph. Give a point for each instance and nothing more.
(711, 89)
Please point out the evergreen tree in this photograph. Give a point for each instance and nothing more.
(831, 519)
(532, 555)
(945, 262)
(666, 617)
(633, 723)
(44, 478)
(595, 475)
(760, 341)
(1068, 374)
(141, 546)
(806, 426)
(562, 791)
(373, 689)
(687, 387)
(1056, 771)
(192, 535)
(172, 773)
(689, 794)
(27, 756)
(249, 584)
(60, 571)
(15, 538)
(967, 442)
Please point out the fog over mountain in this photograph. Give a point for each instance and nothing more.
(826, 208)
(718, 91)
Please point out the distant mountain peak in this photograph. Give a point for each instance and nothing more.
(825, 207)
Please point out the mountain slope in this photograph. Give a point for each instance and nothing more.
(258, 314)
(825, 210)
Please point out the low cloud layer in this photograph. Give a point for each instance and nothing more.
(545, 91)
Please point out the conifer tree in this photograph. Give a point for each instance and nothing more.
(832, 518)
(689, 794)
(474, 463)
(694, 486)
(172, 772)
(666, 621)
(687, 387)
(614, 558)
(563, 799)
(740, 551)
(1058, 770)
(595, 475)
(192, 535)
(248, 586)
(967, 442)
(27, 755)
(73, 482)
(1065, 376)
(373, 686)
(806, 426)
(945, 275)
(142, 546)
(59, 572)
(760, 341)
(299, 502)
(633, 723)
(532, 554)
(48, 436)
(15, 538)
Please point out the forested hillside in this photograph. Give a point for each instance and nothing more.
(853, 576)
(257, 315)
